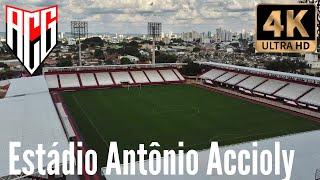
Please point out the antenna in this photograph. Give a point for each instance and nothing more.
(154, 31)
(79, 29)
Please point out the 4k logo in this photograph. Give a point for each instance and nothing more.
(286, 28)
(31, 35)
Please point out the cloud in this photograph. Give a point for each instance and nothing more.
(124, 16)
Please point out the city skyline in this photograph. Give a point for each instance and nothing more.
(131, 16)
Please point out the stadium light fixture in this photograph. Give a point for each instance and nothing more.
(154, 31)
(79, 29)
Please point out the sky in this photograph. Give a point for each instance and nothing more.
(131, 16)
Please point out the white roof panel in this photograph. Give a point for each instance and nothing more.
(306, 160)
(262, 71)
(31, 119)
(27, 85)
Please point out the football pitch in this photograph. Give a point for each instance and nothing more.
(171, 113)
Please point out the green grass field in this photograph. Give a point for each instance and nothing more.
(173, 113)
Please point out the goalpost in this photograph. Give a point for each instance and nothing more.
(127, 85)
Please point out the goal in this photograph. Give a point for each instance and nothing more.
(127, 85)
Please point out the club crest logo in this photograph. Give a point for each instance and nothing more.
(31, 35)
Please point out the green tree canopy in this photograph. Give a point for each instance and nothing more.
(93, 41)
(125, 60)
(196, 49)
(287, 65)
(166, 58)
(64, 63)
(98, 53)
(191, 69)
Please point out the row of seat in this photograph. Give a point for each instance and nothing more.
(74, 80)
(281, 89)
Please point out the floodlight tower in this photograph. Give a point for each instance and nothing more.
(154, 31)
(79, 29)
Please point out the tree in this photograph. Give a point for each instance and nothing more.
(191, 69)
(287, 66)
(165, 58)
(179, 41)
(108, 62)
(196, 49)
(133, 51)
(161, 43)
(133, 44)
(136, 39)
(93, 41)
(64, 63)
(125, 61)
(98, 53)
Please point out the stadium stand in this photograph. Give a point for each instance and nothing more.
(251, 82)
(104, 79)
(154, 76)
(226, 77)
(122, 77)
(179, 74)
(52, 81)
(237, 79)
(69, 80)
(270, 87)
(263, 72)
(212, 74)
(312, 98)
(30, 118)
(293, 91)
(88, 79)
(139, 77)
(65, 121)
(169, 75)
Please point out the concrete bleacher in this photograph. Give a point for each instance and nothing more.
(154, 76)
(139, 77)
(225, 77)
(293, 91)
(179, 74)
(251, 82)
(69, 80)
(122, 77)
(168, 75)
(270, 87)
(236, 79)
(104, 79)
(52, 81)
(88, 79)
(212, 74)
(312, 98)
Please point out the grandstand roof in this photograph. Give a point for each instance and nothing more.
(263, 71)
(28, 115)
(306, 160)
(27, 85)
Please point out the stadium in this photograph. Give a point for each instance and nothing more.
(134, 104)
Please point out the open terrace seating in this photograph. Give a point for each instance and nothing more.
(69, 80)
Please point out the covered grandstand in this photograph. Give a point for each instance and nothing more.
(293, 89)
(28, 115)
(306, 161)
(112, 76)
